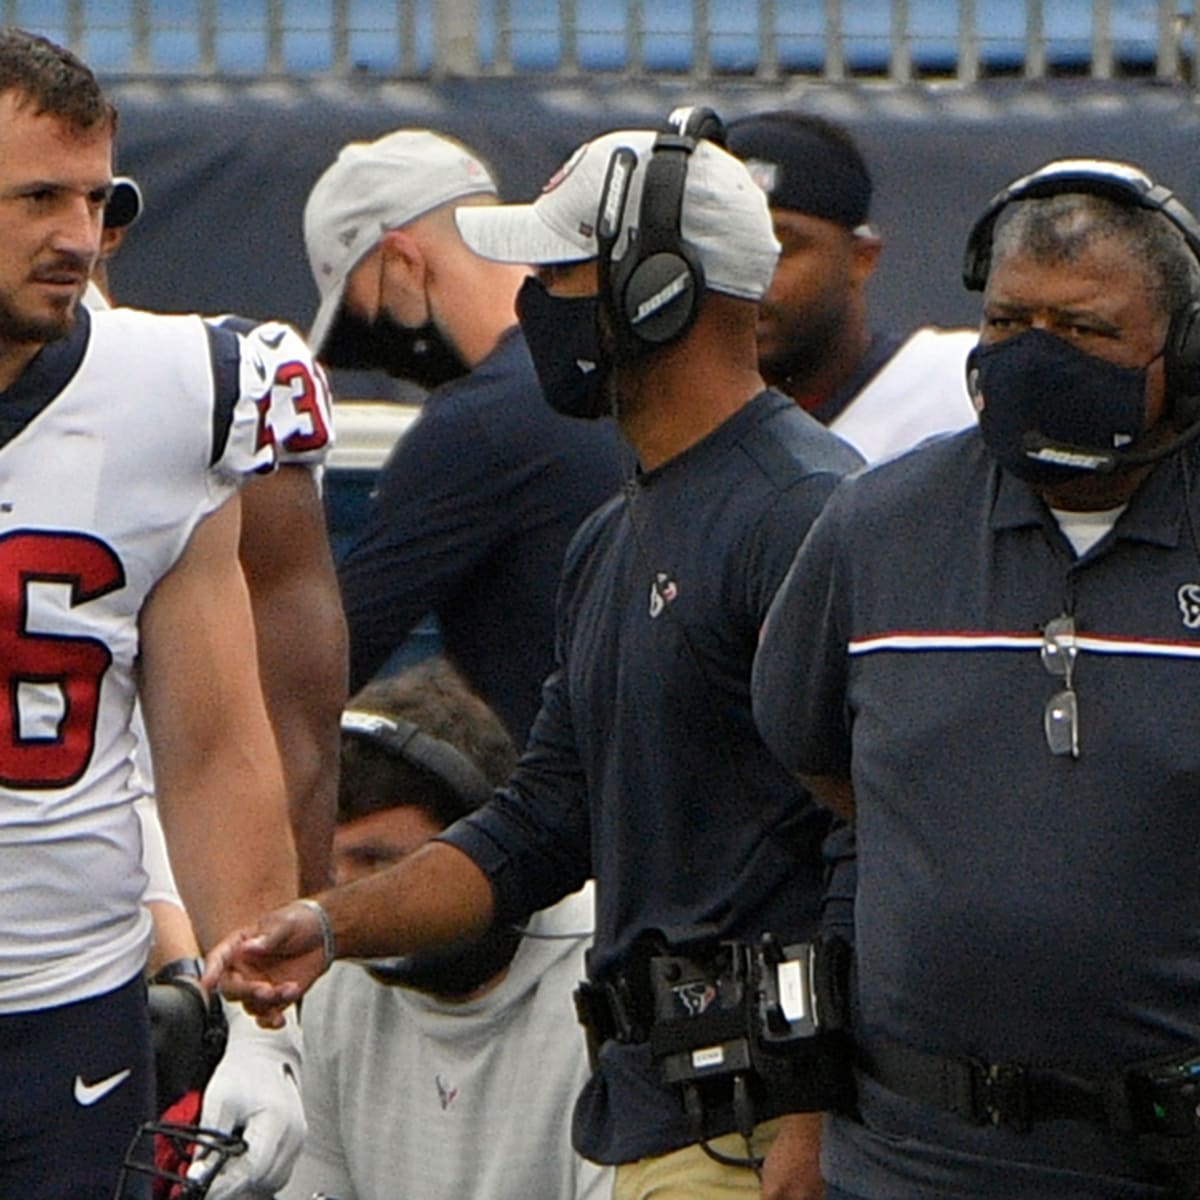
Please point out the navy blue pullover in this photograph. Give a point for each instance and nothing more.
(471, 517)
(644, 767)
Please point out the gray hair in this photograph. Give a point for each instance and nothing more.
(1058, 229)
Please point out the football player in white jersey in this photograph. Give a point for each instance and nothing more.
(124, 438)
(300, 631)
(285, 553)
(301, 635)
(883, 393)
(294, 596)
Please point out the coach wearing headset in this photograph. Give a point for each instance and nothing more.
(441, 1075)
(1016, 698)
(644, 768)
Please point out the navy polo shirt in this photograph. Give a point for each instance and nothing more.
(1012, 905)
(471, 517)
(644, 767)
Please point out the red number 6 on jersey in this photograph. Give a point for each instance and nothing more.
(75, 665)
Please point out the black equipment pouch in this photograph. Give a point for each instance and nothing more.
(758, 1028)
(593, 1013)
(741, 1030)
(608, 1012)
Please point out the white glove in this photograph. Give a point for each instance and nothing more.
(256, 1090)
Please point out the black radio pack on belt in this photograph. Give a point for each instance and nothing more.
(1164, 1102)
(756, 1029)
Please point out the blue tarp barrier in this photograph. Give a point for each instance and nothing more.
(226, 168)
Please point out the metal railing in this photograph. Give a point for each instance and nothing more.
(757, 39)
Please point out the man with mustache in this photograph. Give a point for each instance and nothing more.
(124, 440)
(985, 654)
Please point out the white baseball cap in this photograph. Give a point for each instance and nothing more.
(725, 216)
(373, 187)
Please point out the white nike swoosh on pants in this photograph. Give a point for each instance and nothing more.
(89, 1093)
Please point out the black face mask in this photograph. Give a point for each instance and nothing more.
(564, 343)
(1050, 411)
(422, 354)
(454, 971)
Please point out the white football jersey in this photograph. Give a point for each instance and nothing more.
(297, 406)
(919, 392)
(114, 444)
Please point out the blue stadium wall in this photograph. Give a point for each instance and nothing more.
(226, 168)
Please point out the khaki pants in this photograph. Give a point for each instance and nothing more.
(689, 1174)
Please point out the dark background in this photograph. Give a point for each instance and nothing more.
(226, 167)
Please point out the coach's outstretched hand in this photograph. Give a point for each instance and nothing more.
(271, 964)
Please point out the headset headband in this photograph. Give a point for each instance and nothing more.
(660, 224)
(411, 744)
(1114, 180)
(698, 122)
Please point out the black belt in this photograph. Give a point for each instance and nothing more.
(987, 1093)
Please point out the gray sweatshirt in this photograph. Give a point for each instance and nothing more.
(410, 1098)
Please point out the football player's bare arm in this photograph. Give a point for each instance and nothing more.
(302, 650)
(434, 896)
(217, 772)
(174, 937)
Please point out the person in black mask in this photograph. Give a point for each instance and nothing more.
(474, 508)
(986, 653)
(444, 1073)
(644, 770)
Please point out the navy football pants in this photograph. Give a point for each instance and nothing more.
(76, 1081)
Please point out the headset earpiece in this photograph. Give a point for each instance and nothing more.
(1181, 363)
(652, 293)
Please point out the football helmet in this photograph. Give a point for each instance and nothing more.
(156, 1164)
